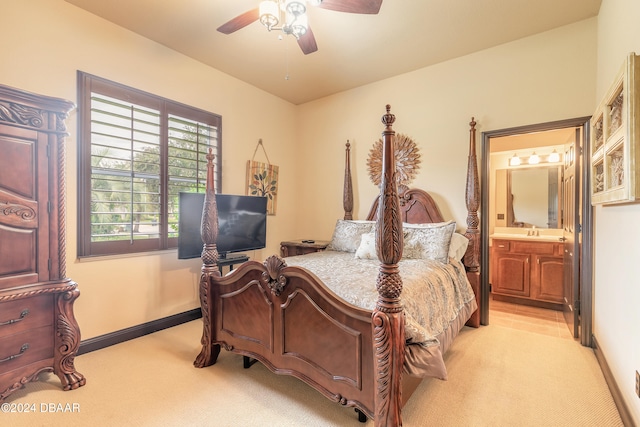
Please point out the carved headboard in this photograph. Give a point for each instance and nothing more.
(416, 207)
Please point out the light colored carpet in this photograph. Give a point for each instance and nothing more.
(497, 377)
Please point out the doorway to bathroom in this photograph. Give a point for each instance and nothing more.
(536, 206)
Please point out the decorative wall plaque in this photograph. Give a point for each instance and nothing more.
(407, 160)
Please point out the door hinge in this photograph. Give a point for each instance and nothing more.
(576, 306)
(48, 150)
(49, 206)
(49, 264)
(579, 228)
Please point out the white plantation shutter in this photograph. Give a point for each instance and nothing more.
(189, 142)
(125, 170)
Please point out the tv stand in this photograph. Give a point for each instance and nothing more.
(231, 260)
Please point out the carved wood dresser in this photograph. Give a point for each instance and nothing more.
(38, 330)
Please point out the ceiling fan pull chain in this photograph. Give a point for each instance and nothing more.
(286, 54)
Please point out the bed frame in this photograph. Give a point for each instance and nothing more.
(286, 318)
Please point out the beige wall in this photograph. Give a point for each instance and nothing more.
(44, 43)
(547, 77)
(616, 289)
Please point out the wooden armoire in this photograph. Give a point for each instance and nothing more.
(38, 330)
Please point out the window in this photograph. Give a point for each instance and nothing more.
(137, 152)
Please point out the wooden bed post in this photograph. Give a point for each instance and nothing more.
(209, 231)
(471, 258)
(388, 316)
(347, 192)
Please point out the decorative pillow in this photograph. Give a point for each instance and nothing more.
(367, 248)
(459, 242)
(348, 234)
(458, 246)
(428, 241)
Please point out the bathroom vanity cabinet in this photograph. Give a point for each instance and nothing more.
(528, 272)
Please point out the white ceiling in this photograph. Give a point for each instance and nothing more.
(353, 50)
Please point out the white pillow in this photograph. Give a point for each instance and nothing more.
(428, 241)
(367, 248)
(458, 246)
(348, 234)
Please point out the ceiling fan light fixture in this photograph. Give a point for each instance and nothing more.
(295, 7)
(298, 26)
(269, 13)
(289, 16)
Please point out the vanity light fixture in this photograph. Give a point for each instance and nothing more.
(554, 157)
(535, 159)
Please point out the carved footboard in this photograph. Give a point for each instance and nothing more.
(296, 327)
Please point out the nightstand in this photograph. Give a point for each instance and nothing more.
(301, 247)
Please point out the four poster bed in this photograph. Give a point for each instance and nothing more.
(302, 317)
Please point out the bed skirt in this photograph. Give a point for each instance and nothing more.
(424, 362)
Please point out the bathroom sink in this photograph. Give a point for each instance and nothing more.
(523, 236)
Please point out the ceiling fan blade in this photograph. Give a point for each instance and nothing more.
(307, 42)
(240, 21)
(371, 7)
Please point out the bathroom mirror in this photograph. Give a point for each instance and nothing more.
(529, 197)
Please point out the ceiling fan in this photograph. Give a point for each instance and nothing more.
(270, 13)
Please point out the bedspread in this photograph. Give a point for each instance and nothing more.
(433, 293)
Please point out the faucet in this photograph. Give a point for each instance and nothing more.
(533, 231)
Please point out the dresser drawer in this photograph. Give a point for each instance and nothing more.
(539, 248)
(501, 245)
(26, 347)
(24, 314)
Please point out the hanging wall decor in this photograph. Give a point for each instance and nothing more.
(262, 179)
(407, 160)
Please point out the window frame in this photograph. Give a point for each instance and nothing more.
(88, 84)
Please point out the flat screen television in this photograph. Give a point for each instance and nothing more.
(242, 224)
